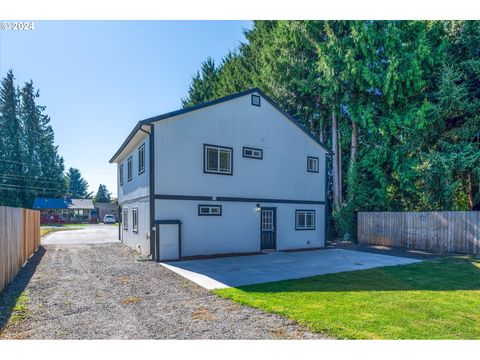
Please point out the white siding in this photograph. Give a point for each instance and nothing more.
(238, 229)
(135, 193)
(139, 185)
(137, 240)
(282, 174)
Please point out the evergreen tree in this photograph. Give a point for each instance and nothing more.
(203, 85)
(103, 195)
(44, 169)
(77, 186)
(397, 101)
(12, 184)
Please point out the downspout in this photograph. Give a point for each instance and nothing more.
(151, 170)
(120, 220)
(326, 199)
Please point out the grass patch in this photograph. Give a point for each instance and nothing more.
(436, 299)
(131, 300)
(45, 231)
(19, 311)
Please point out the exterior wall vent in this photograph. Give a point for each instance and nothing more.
(256, 100)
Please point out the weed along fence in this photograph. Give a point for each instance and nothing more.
(439, 231)
(19, 238)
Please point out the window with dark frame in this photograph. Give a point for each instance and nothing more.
(256, 100)
(129, 169)
(135, 220)
(141, 159)
(312, 164)
(120, 170)
(217, 159)
(209, 210)
(125, 219)
(304, 219)
(252, 153)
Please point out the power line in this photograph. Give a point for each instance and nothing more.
(29, 187)
(50, 167)
(29, 178)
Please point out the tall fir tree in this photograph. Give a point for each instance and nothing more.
(103, 195)
(77, 185)
(12, 185)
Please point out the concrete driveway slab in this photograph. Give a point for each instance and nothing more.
(276, 266)
(88, 235)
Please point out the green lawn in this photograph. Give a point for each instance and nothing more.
(435, 299)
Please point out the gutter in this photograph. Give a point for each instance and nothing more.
(151, 168)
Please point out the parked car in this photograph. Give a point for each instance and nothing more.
(109, 219)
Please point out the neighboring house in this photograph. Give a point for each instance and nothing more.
(107, 209)
(233, 175)
(63, 210)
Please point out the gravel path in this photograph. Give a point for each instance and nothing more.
(101, 292)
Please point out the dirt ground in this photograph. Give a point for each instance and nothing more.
(100, 291)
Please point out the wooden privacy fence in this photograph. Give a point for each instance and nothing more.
(439, 231)
(19, 239)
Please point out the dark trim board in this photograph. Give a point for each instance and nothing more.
(151, 173)
(235, 199)
(214, 102)
(168, 222)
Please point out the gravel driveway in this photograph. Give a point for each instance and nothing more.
(100, 291)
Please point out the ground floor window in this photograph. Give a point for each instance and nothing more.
(304, 219)
(209, 210)
(125, 219)
(135, 219)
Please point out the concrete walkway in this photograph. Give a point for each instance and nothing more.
(276, 266)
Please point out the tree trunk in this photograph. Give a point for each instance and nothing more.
(340, 172)
(354, 145)
(335, 163)
(469, 189)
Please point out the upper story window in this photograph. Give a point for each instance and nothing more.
(217, 159)
(304, 219)
(141, 159)
(312, 164)
(252, 153)
(120, 171)
(135, 219)
(256, 100)
(129, 168)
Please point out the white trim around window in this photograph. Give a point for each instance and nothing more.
(135, 219)
(304, 219)
(125, 219)
(253, 153)
(312, 164)
(217, 159)
(120, 170)
(209, 210)
(141, 159)
(129, 168)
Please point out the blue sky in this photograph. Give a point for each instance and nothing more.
(98, 79)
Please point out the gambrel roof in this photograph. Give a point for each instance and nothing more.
(168, 115)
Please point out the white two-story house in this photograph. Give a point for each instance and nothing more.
(233, 175)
